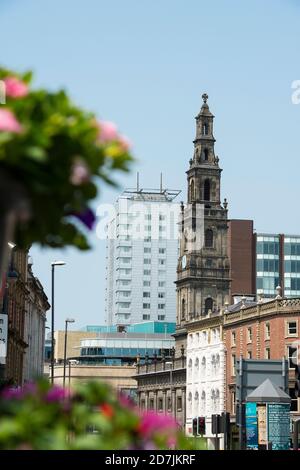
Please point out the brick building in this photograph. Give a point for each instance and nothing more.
(262, 330)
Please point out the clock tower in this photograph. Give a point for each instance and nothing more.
(203, 267)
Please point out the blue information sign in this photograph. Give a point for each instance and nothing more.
(251, 426)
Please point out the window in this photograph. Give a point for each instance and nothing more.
(124, 271)
(161, 251)
(147, 216)
(205, 154)
(146, 306)
(124, 304)
(161, 317)
(292, 356)
(169, 403)
(208, 305)
(125, 260)
(292, 328)
(147, 239)
(124, 282)
(192, 191)
(294, 400)
(205, 128)
(147, 272)
(233, 338)
(160, 404)
(233, 364)
(147, 228)
(147, 283)
(161, 283)
(161, 272)
(267, 330)
(209, 238)
(183, 309)
(161, 306)
(147, 250)
(249, 335)
(161, 261)
(146, 294)
(125, 293)
(249, 354)
(162, 217)
(146, 317)
(267, 353)
(143, 403)
(179, 403)
(207, 190)
(161, 295)
(147, 261)
(151, 404)
(233, 403)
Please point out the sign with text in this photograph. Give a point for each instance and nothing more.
(251, 426)
(279, 425)
(3, 338)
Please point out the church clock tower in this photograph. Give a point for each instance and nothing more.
(203, 267)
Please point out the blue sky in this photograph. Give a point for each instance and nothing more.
(144, 65)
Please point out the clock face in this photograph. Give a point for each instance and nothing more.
(183, 262)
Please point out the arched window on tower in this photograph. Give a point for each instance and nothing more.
(209, 238)
(205, 128)
(208, 305)
(207, 190)
(183, 309)
(206, 154)
(192, 191)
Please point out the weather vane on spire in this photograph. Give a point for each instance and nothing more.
(205, 97)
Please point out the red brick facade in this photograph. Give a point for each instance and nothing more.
(265, 331)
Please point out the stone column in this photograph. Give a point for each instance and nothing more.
(173, 401)
(183, 413)
(165, 404)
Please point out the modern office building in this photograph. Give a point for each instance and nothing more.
(116, 345)
(142, 253)
(261, 262)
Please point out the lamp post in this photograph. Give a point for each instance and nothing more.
(68, 320)
(53, 264)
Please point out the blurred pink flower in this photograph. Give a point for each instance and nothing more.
(152, 422)
(8, 122)
(125, 143)
(15, 88)
(107, 131)
(56, 394)
(80, 172)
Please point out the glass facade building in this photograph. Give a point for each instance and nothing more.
(278, 264)
(267, 264)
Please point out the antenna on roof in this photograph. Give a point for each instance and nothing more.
(137, 181)
(161, 185)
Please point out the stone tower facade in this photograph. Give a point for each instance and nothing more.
(203, 267)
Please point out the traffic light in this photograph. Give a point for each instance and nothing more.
(216, 424)
(225, 422)
(297, 381)
(201, 425)
(194, 426)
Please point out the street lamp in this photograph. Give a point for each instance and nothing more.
(68, 320)
(53, 264)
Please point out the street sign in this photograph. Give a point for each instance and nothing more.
(3, 338)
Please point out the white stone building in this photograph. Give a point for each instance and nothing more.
(205, 376)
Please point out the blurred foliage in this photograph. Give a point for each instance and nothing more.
(91, 417)
(55, 134)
